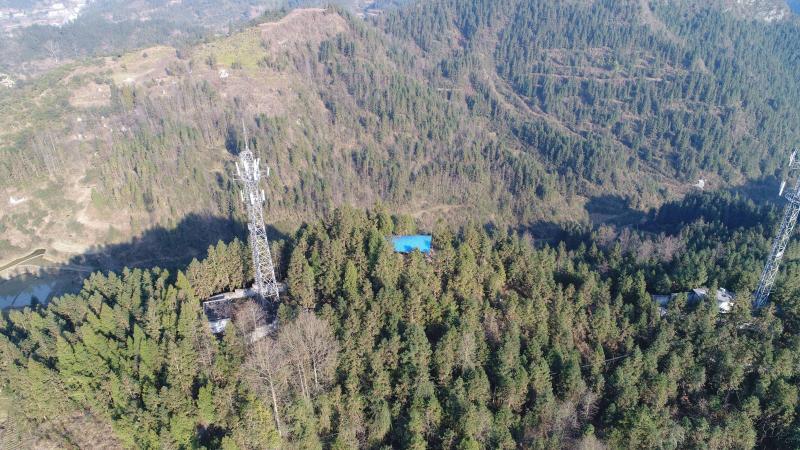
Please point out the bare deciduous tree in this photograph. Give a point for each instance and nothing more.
(669, 246)
(320, 345)
(297, 357)
(606, 236)
(52, 47)
(303, 356)
(249, 317)
(645, 251)
(266, 371)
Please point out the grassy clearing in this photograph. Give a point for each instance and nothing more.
(243, 48)
(145, 56)
(36, 104)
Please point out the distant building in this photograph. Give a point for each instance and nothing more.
(6, 81)
(724, 299)
(13, 201)
(407, 244)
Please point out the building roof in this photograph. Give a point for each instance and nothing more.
(724, 298)
(407, 244)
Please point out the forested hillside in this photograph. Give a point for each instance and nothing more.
(491, 342)
(512, 112)
(481, 121)
(624, 85)
(106, 27)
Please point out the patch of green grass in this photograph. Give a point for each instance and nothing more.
(99, 201)
(243, 50)
(74, 227)
(52, 196)
(20, 221)
(113, 235)
(138, 56)
(6, 247)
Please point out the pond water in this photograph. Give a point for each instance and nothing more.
(38, 279)
(794, 5)
(19, 291)
(18, 294)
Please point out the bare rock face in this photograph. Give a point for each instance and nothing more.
(766, 10)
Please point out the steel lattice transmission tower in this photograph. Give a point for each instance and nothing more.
(249, 174)
(782, 239)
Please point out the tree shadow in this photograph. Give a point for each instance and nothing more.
(174, 248)
(613, 209)
(167, 248)
(764, 190)
(753, 204)
(603, 210)
(547, 233)
(732, 206)
(232, 141)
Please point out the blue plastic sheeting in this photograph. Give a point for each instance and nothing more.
(407, 244)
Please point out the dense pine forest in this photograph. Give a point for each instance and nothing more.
(550, 147)
(493, 341)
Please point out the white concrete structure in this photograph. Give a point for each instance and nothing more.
(13, 201)
(723, 297)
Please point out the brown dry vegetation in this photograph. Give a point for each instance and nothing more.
(152, 73)
(349, 113)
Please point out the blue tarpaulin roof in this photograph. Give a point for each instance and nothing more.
(407, 244)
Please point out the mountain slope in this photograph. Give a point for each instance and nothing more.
(40, 35)
(506, 111)
(151, 129)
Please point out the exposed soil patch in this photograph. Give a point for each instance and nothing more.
(141, 66)
(311, 25)
(92, 95)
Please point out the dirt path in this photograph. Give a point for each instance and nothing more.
(614, 79)
(20, 261)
